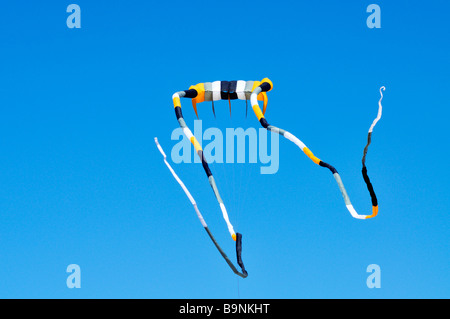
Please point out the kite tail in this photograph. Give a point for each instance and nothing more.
(267, 86)
(364, 168)
(192, 93)
(244, 273)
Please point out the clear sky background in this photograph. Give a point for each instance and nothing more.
(81, 181)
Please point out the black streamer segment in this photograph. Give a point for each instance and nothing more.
(369, 187)
(239, 253)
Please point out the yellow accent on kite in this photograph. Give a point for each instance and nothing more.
(374, 212)
(196, 144)
(311, 155)
(176, 102)
(264, 95)
(258, 112)
(234, 237)
(255, 85)
(200, 88)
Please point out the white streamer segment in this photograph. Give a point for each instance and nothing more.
(186, 191)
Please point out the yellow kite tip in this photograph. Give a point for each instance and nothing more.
(234, 237)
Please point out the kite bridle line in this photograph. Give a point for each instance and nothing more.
(200, 217)
(257, 91)
(196, 97)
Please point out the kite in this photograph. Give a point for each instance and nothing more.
(255, 91)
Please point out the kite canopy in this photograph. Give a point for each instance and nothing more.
(254, 91)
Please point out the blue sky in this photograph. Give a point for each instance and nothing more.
(82, 182)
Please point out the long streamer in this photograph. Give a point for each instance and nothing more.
(242, 274)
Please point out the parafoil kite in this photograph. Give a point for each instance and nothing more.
(254, 91)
